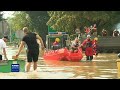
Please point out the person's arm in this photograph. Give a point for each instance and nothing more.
(83, 43)
(20, 48)
(5, 55)
(41, 41)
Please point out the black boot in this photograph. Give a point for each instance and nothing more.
(91, 58)
(87, 57)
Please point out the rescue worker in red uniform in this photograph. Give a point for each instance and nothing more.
(88, 48)
(95, 47)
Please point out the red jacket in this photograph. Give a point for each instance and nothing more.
(88, 44)
(55, 43)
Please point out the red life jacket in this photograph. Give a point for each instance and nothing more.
(55, 43)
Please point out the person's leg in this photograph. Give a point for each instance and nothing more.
(87, 57)
(28, 65)
(35, 65)
(91, 58)
(87, 53)
(90, 53)
(35, 59)
(29, 61)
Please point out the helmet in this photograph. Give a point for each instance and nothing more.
(57, 39)
(96, 38)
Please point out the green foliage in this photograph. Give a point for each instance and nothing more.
(19, 20)
(34, 20)
(66, 21)
(70, 20)
(1, 16)
(38, 22)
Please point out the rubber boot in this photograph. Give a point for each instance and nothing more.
(91, 58)
(87, 57)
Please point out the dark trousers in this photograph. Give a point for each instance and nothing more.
(0, 57)
(89, 58)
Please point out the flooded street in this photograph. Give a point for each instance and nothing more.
(103, 66)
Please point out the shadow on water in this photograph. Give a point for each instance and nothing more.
(103, 66)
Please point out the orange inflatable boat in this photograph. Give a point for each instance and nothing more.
(63, 54)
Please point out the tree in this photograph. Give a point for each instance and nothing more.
(38, 22)
(34, 20)
(69, 20)
(19, 20)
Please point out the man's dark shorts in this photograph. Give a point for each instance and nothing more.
(32, 55)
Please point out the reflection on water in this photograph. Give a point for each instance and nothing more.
(102, 67)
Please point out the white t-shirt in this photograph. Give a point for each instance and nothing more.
(2, 45)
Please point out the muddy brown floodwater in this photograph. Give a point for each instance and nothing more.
(103, 66)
